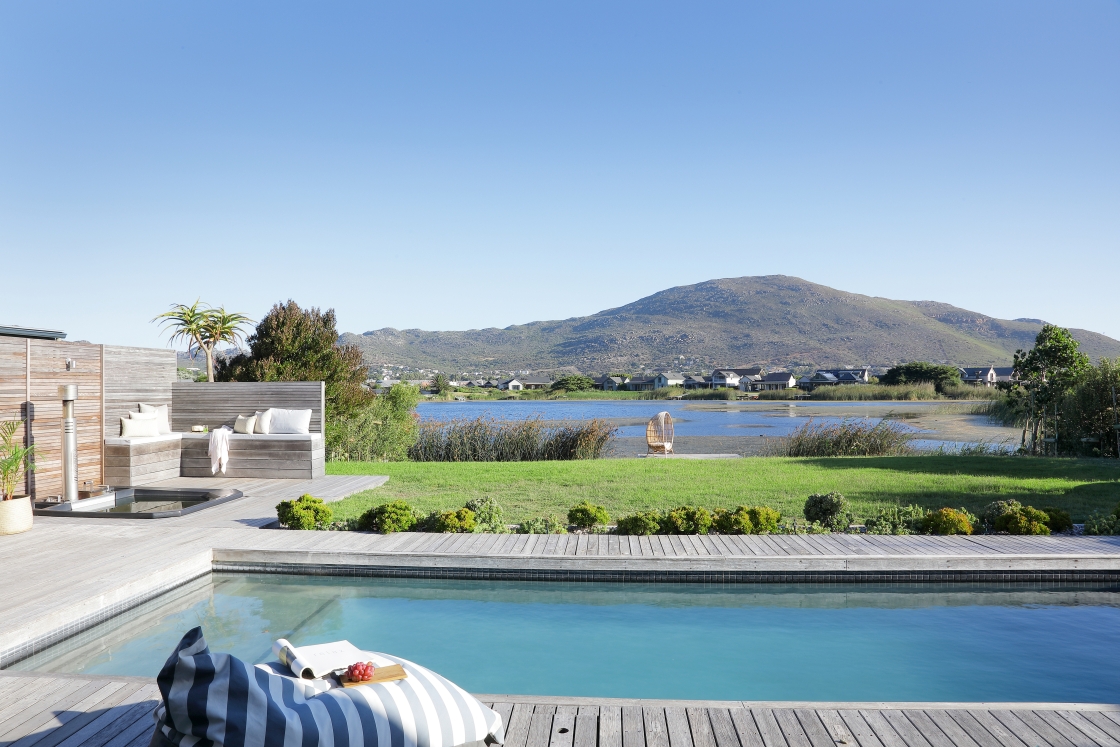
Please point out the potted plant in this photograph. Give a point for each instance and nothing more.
(15, 462)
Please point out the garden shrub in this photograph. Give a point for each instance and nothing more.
(487, 516)
(648, 522)
(542, 525)
(306, 512)
(947, 521)
(1059, 521)
(586, 515)
(387, 518)
(1099, 522)
(764, 520)
(461, 520)
(897, 520)
(1027, 520)
(738, 521)
(991, 514)
(830, 511)
(686, 520)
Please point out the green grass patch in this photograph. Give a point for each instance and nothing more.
(624, 486)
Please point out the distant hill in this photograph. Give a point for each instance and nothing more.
(773, 320)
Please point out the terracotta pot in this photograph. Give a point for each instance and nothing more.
(16, 515)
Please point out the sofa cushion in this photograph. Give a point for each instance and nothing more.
(290, 421)
(244, 424)
(134, 427)
(162, 423)
(264, 422)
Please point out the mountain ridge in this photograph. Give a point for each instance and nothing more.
(771, 320)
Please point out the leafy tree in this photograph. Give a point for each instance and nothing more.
(294, 344)
(573, 383)
(1044, 374)
(382, 430)
(442, 384)
(203, 328)
(912, 373)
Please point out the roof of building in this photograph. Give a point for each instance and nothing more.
(533, 380)
(778, 376)
(671, 375)
(36, 334)
(749, 371)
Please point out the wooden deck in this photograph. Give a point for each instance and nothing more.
(68, 711)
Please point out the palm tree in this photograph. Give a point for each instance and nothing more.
(203, 328)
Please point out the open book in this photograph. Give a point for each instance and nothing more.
(313, 662)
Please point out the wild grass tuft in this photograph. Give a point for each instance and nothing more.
(488, 440)
(846, 438)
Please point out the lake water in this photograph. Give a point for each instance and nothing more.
(943, 642)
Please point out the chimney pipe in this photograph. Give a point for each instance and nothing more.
(68, 393)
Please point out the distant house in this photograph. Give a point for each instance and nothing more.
(725, 380)
(512, 385)
(750, 371)
(774, 381)
(611, 383)
(698, 382)
(1004, 374)
(835, 376)
(979, 376)
(666, 379)
(535, 382)
(640, 385)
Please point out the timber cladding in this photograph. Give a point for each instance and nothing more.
(31, 370)
(217, 404)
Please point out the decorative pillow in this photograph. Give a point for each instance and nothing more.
(290, 421)
(160, 411)
(142, 416)
(244, 424)
(138, 427)
(264, 421)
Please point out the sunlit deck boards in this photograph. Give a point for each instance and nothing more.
(68, 711)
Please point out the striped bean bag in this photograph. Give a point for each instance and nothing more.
(217, 699)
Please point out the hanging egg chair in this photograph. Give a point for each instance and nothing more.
(659, 434)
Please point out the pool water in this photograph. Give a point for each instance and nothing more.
(849, 642)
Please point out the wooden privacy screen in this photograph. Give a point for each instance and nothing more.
(111, 380)
(218, 404)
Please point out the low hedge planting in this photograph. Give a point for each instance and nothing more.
(947, 521)
(586, 515)
(306, 512)
(830, 510)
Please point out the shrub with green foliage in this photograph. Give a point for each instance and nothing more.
(542, 525)
(991, 514)
(586, 515)
(908, 373)
(738, 521)
(897, 520)
(829, 510)
(1099, 522)
(686, 520)
(646, 522)
(947, 521)
(445, 522)
(387, 518)
(764, 520)
(382, 430)
(487, 516)
(1059, 521)
(1027, 520)
(306, 512)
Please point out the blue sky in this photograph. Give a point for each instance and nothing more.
(459, 165)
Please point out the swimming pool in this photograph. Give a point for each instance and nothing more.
(925, 642)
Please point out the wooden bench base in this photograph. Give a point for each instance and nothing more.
(135, 461)
(264, 456)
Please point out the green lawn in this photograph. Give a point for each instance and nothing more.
(528, 489)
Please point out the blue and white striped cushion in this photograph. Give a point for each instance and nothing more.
(217, 699)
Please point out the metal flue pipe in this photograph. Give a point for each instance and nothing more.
(68, 393)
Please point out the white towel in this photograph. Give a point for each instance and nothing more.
(219, 448)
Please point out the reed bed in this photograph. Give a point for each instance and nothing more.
(916, 392)
(531, 440)
(846, 438)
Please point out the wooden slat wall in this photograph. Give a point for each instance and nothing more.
(220, 403)
(132, 376)
(48, 372)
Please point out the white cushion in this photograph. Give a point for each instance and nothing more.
(160, 412)
(264, 421)
(142, 416)
(290, 421)
(244, 424)
(138, 427)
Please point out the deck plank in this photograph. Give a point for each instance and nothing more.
(587, 727)
(677, 727)
(563, 726)
(633, 727)
(540, 728)
(657, 731)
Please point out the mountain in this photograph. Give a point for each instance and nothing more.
(773, 320)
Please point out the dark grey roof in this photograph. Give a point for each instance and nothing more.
(750, 371)
(777, 376)
(36, 334)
